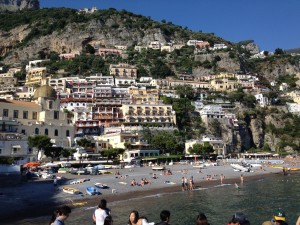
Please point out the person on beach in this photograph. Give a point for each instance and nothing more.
(222, 177)
(191, 183)
(133, 182)
(182, 184)
(60, 215)
(185, 183)
(201, 219)
(55, 183)
(101, 213)
(134, 218)
(279, 217)
(242, 179)
(239, 218)
(165, 217)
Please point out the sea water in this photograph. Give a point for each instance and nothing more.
(257, 199)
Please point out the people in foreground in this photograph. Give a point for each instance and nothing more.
(239, 218)
(165, 217)
(60, 215)
(201, 219)
(279, 217)
(108, 220)
(133, 217)
(101, 213)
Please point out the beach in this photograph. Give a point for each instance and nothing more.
(39, 197)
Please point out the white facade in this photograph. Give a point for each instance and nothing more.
(262, 100)
(218, 144)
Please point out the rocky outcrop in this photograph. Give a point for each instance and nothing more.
(14, 5)
(256, 127)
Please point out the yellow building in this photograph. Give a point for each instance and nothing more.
(225, 75)
(123, 70)
(41, 117)
(143, 95)
(35, 76)
(139, 114)
(224, 84)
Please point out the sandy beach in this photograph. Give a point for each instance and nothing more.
(39, 197)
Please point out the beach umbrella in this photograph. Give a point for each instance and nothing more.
(32, 164)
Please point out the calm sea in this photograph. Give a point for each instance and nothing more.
(257, 199)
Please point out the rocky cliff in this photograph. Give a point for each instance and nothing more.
(14, 5)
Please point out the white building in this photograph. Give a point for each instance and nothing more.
(218, 144)
(211, 112)
(262, 100)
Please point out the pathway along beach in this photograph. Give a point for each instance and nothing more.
(39, 197)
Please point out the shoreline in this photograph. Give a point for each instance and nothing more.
(37, 206)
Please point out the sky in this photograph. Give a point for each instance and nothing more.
(270, 23)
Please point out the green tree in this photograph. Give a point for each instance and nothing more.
(66, 153)
(216, 128)
(165, 141)
(112, 153)
(53, 152)
(83, 142)
(278, 51)
(40, 142)
(185, 91)
(202, 149)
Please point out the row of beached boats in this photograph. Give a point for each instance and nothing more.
(89, 190)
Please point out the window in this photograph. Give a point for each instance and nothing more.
(67, 133)
(15, 150)
(25, 114)
(56, 115)
(16, 113)
(0, 151)
(5, 112)
(46, 131)
(50, 104)
(55, 132)
(23, 131)
(34, 115)
(36, 131)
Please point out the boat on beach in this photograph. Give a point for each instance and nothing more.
(78, 181)
(92, 191)
(158, 168)
(70, 190)
(238, 167)
(102, 186)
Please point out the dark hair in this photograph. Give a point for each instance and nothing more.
(136, 216)
(108, 220)
(102, 204)
(165, 215)
(63, 210)
(201, 219)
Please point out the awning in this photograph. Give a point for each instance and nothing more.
(149, 159)
(16, 146)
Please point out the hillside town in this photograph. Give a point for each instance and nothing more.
(111, 110)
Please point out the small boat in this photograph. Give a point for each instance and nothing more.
(78, 181)
(100, 185)
(70, 190)
(92, 191)
(237, 167)
(158, 168)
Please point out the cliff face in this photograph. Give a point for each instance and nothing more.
(14, 5)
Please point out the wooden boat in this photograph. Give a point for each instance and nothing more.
(71, 190)
(92, 191)
(100, 185)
